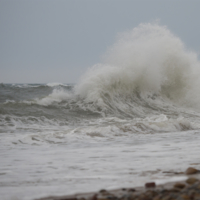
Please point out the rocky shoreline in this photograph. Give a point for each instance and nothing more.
(184, 190)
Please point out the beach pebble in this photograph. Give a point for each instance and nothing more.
(102, 191)
(157, 198)
(94, 197)
(191, 170)
(105, 193)
(197, 196)
(69, 199)
(174, 190)
(151, 193)
(186, 197)
(150, 184)
(179, 185)
(191, 180)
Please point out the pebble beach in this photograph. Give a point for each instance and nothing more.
(182, 190)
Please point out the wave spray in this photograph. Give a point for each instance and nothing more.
(148, 62)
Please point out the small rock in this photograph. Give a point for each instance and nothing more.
(167, 197)
(151, 193)
(102, 191)
(144, 197)
(125, 196)
(191, 170)
(178, 172)
(150, 184)
(111, 197)
(94, 197)
(105, 193)
(71, 198)
(131, 190)
(191, 180)
(174, 190)
(179, 185)
(157, 198)
(102, 198)
(164, 191)
(191, 192)
(197, 196)
(186, 197)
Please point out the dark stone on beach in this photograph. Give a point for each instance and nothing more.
(151, 193)
(69, 199)
(131, 190)
(164, 191)
(94, 197)
(150, 184)
(172, 172)
(102, 191)
(105, 193)
(179, 185)
(196, 196)
(123, 197)
(188, 190)
(143, 197)
(191, 180)
(191, 170)
(167, 197)
(111, 197)
(157, 197)
(174, 190)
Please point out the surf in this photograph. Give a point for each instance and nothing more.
(144, 64)
(147, 71)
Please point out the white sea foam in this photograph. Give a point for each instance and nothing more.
(57, 95)
(9, 101)
(56, 84)
(58, 131)
(26, 85)
(148, 61)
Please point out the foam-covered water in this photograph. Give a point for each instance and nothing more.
(128, 120)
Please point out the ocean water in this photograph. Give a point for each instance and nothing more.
(129, 120)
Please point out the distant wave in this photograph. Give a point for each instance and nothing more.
(56, 84)
(26, 85)
(57, 96)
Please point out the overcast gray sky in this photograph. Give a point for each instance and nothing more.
(44, 41)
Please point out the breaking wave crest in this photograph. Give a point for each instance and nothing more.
(43, 130)
(144, 68)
